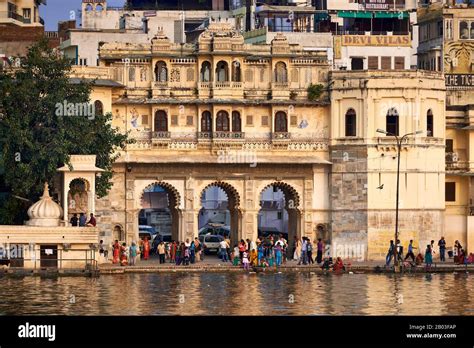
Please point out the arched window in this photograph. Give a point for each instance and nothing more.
(222, 72)
(161, 121)
(206, 122)
(222, 122)
(351, 125)
(205, 72)
(236, 122)
(88, 8)
(429, 123)
(236, 72)
(392, 121)
(161, 72)
(99, 8)
(281, 122)
(281, 74)
(99, 108)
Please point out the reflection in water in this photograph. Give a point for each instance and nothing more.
(240, 294)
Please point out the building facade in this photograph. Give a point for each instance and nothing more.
(446, 45)
(245, 118)
(20, 26)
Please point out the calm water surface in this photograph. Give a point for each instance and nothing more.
(240, 294)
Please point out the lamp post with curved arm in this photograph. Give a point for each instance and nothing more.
(399, 148)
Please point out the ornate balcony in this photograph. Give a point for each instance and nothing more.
(229, 135)
(161, 135)
(281, 136)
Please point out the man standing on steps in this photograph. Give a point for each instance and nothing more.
(442, 249)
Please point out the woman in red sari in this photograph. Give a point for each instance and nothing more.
(146, 248)
(116, 252)
(123, 255)
(173, 252)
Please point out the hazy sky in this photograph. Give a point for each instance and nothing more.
(60, 10)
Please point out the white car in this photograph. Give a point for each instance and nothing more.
(211, 243)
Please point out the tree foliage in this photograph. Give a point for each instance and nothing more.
(36, 139)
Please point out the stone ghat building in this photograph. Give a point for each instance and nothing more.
(248, 117)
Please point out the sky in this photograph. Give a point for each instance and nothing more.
(60, 10)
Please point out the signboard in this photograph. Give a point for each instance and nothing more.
(459, 80)
(376, 40)
(149, 14)
(384, 4)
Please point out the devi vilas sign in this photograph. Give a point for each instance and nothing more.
(376, 40)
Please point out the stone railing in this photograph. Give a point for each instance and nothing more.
(160, 84)
(281, 136)
(229, 135)
(161, 135)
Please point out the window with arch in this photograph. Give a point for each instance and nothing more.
(99, 108)
(236, 122)
(161, 72)
(351, 125)
(236, 72)
(222, 122)
(206, 122)
(88, 8)
(161, 121)
(281, 73)
(429, 123)
(99, 8)
(205, 71)
(222, 72)
(281, 122)
(392, 121)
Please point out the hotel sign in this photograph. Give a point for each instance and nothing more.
(383, 4)
(376, 40)
(459, 80)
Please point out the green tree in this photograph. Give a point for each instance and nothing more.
(36, 139)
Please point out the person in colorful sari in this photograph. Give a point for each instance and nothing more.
(146, 249)
(123, 255)
(428, 257)
(278, 254)
(259, 252)
(253, 258)
(116, 252)
(173, 252)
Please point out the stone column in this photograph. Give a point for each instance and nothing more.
(65, 201)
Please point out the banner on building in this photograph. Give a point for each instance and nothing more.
(376, 40)
(384, 4)
(459, 80)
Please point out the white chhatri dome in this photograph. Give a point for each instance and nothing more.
(45, 212)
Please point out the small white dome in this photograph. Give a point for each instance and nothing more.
(45, 212)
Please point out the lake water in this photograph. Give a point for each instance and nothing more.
(240, 294)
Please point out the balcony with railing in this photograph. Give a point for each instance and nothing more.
(256, 141)
(8, 15)
(457, 161)
(227, 89)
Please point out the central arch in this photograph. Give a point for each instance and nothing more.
(291, 206)
(171, 206)
(233, 206)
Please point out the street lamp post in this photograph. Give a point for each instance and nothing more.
(399, 148)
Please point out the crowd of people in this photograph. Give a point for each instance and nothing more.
(270, 251)
(458, 254)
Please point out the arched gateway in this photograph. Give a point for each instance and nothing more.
(232, 205)
(159, 203)
(283, 201)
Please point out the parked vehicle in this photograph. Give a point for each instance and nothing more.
(215, 229)
(210, 243)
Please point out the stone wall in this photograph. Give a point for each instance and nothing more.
(349, 197)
